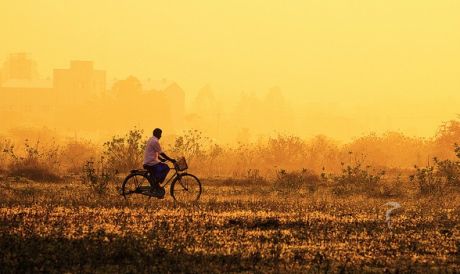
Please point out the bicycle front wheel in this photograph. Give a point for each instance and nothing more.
(186, 188)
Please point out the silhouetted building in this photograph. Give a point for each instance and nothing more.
(79, 82)
(22, 93)
(19, 66)
(76, 98)
(206, 112)
(172, 97)
(26, 101)
(128, 87)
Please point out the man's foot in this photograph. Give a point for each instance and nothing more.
(158, 192)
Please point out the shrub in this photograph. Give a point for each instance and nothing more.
(125, 153)
(353, 179)
(449, 170)
(429, 182)
(192, 145)
(5, 148)
(37, 162)
(75, 154)
(447, 136)
(296, 181)
(98, 176)
(293, 149)
(254, 176)
(437, 178)
(389, 188)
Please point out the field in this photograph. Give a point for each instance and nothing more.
(238, 226)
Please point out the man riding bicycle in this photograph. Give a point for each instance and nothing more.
(154, 159)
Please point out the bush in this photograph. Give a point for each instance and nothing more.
(389, 188)
(353, 179)
(125, 153)
(75, 154)
(98, 176)
(296, 181)
(435, 179)
(5, 148)
(191, 145)
(37, 163)
(428, 180)
(253, 175)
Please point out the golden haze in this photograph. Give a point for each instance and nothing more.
(341, 68)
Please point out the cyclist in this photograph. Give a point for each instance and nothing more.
(154, 159)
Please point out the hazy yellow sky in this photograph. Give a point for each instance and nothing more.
(390, 60)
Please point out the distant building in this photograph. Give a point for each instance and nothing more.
(26, 102)
(19, 66)
(72, 99)
(79, 82)
(24, 98)
(206, 112)
(174, 100)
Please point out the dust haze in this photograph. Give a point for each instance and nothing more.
(236, 71)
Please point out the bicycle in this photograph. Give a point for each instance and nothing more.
(185, 187)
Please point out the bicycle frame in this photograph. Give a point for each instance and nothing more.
(172, 177)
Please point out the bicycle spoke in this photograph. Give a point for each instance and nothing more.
(186, 189)
(183, 184)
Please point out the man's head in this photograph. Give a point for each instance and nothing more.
(157, 133)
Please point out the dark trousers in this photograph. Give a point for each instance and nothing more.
(158, 171)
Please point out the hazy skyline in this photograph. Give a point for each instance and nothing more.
(380, 65)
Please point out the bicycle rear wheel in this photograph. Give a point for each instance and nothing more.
(133, 186)
(186, 188)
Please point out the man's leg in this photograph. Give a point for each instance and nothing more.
(154, 180)
(162, 171)
(153, 177)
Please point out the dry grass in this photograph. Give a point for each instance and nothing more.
(238, 226)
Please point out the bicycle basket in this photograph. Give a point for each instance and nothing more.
(181, 164)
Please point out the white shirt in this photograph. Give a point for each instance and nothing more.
(152, 150)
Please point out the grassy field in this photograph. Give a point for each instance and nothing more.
(238, 226)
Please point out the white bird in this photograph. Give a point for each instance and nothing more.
(394, 205)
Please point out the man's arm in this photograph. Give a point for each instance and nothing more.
(164, 156)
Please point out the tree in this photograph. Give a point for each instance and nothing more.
(128, 87)
(448, 134)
